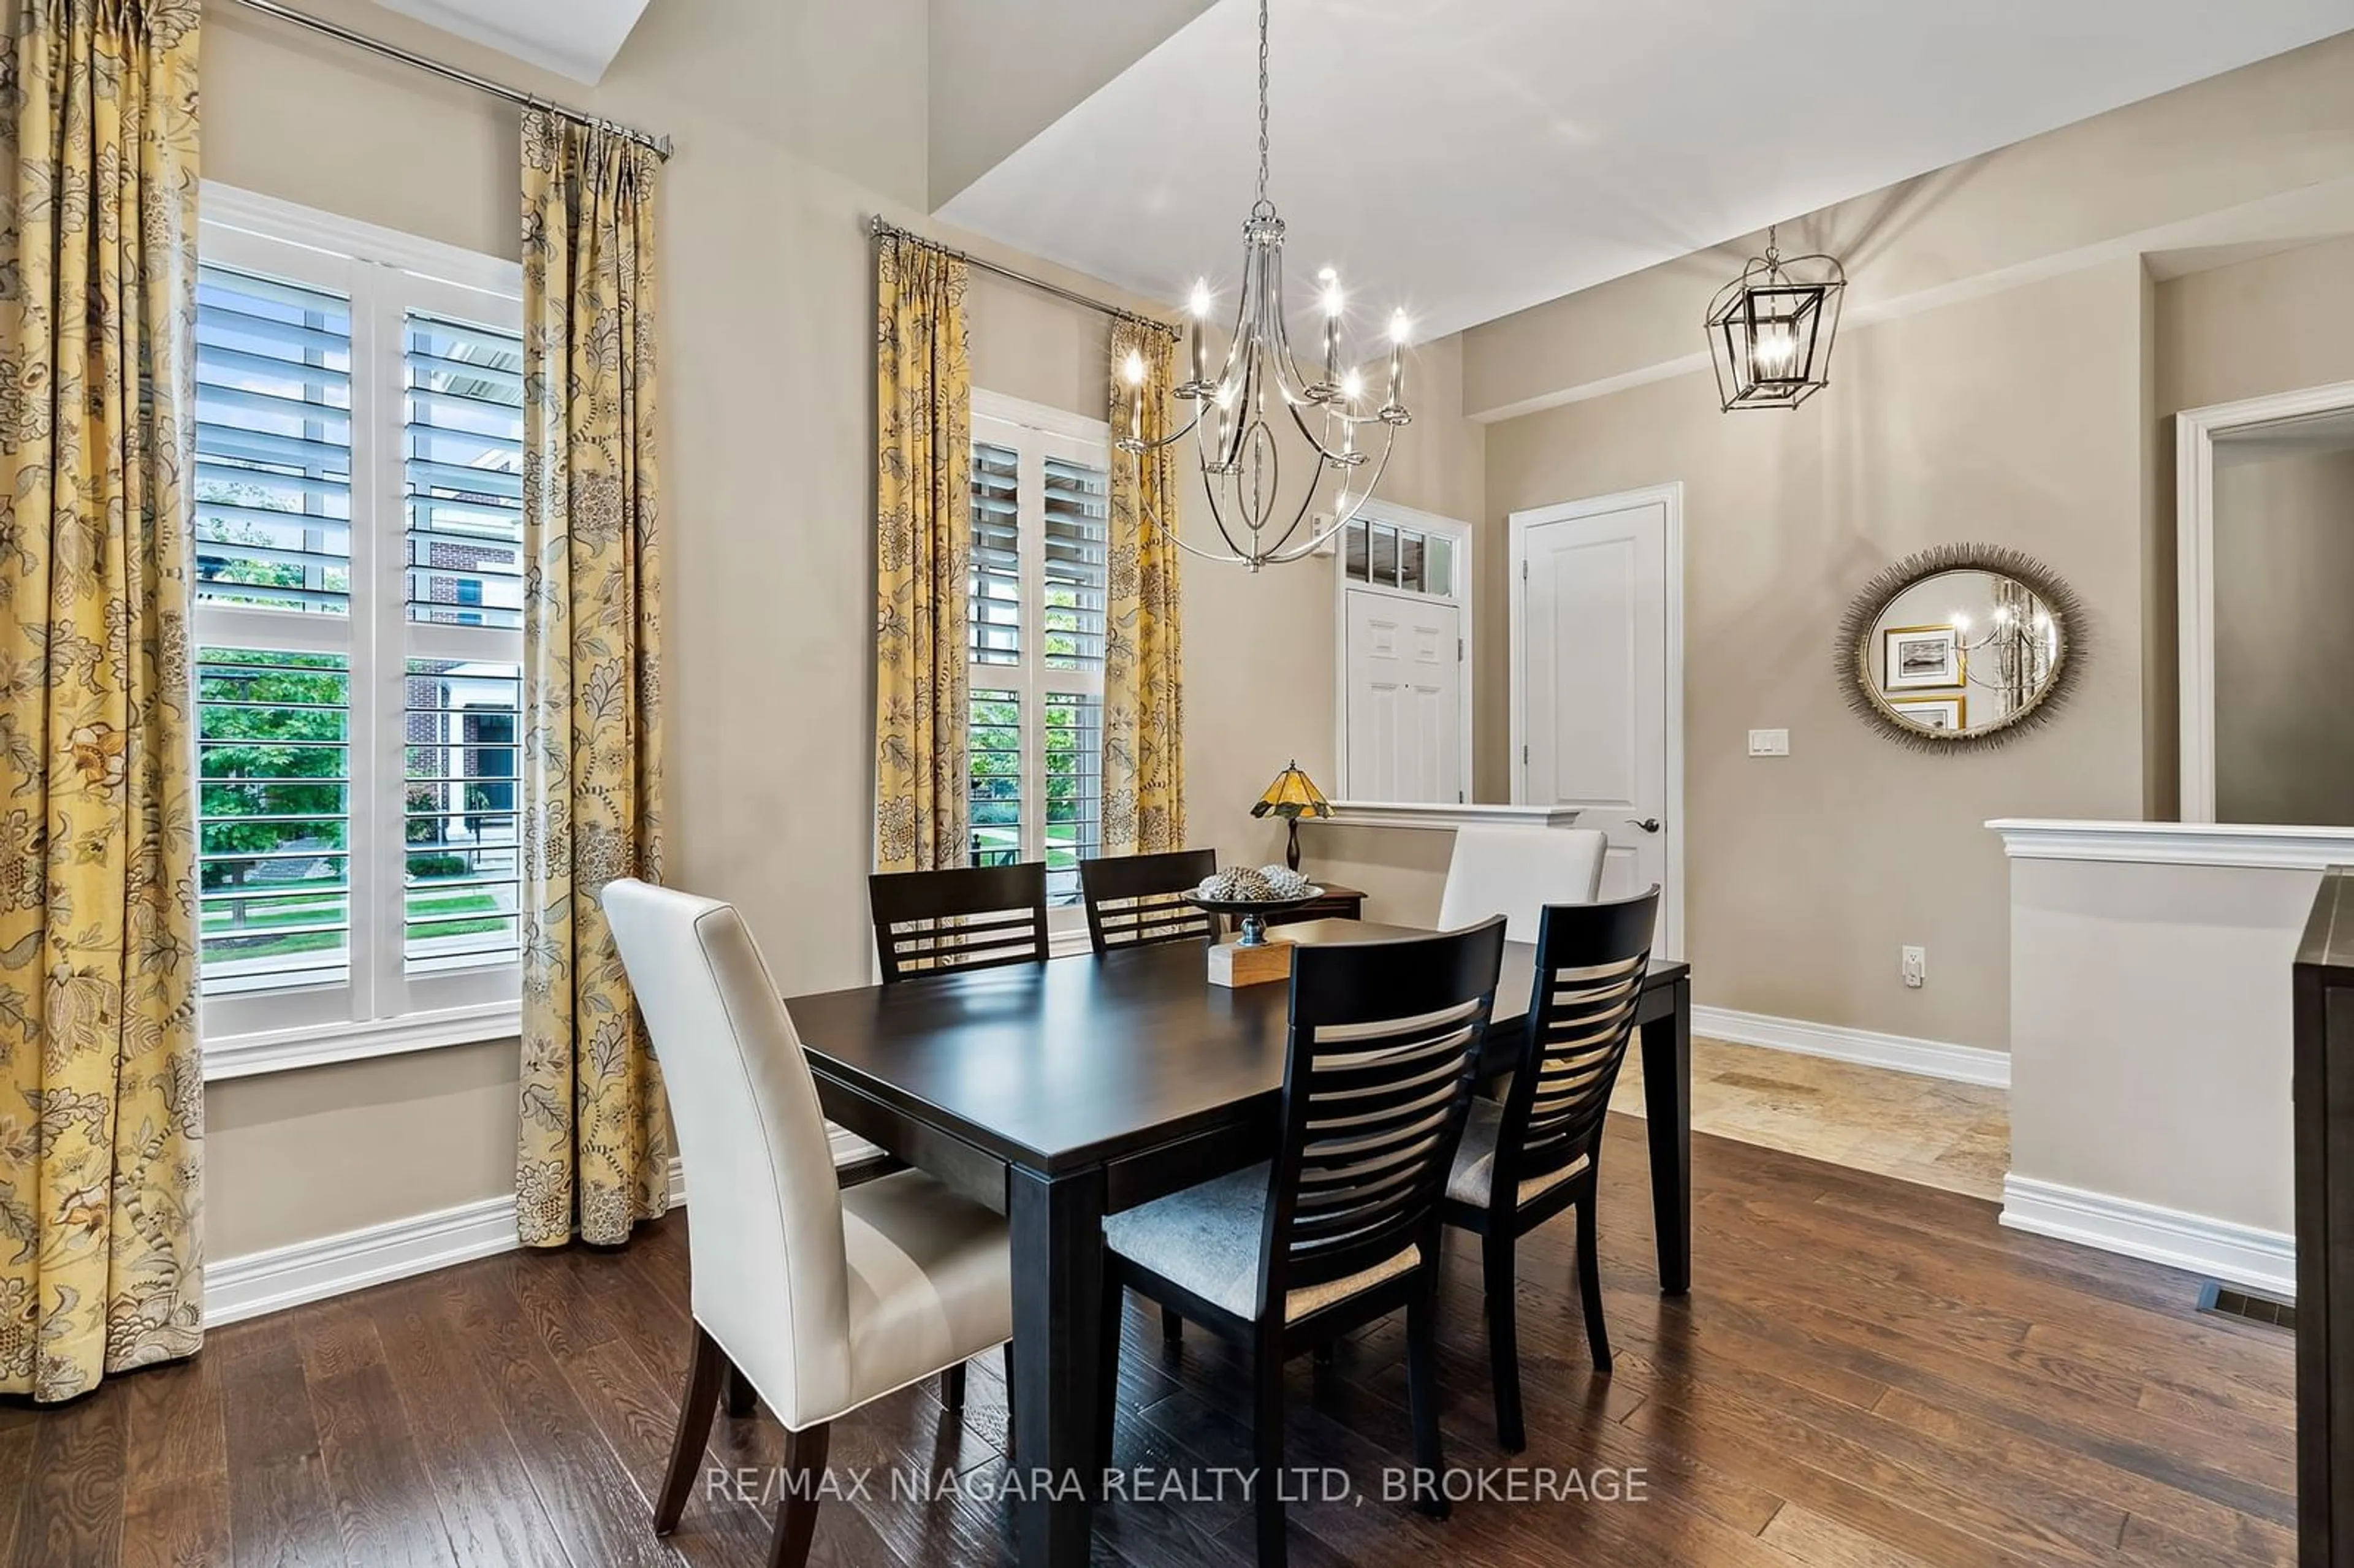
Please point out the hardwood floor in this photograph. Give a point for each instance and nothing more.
(1868, 1372)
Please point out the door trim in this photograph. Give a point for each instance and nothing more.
(1671, 497)
(2196, 433)
(1460, 532)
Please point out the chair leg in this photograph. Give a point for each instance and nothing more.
(706, 1369)
(952, 1389)
(797, 1519)
(1422, 1396)
(1504, 1341)
(742, 1399)
(1267, 1438)
(1008, 1401)
(1589, 1284)
(1114, 1301)
(1172, 1327)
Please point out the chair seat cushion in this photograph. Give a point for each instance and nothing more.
(1475, 1162)
(931, 1281)
(1207, 1239)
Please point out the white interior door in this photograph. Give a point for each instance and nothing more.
(1405, 674)
(1596, 708)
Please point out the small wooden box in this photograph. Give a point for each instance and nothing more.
(1232, 964)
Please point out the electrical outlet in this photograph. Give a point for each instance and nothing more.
(1917, 967)
(1769, 743)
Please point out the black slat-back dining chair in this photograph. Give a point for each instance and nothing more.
(1343, 1226)
(1134, 900)
(973, 918)
(1524, 1160)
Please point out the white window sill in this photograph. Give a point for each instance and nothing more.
(324, 1044)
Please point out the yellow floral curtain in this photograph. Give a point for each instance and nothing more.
(595, 1151)
(102, 1127)
(923, 546)
(1143, 700)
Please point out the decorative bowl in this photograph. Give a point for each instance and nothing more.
(1254, 911)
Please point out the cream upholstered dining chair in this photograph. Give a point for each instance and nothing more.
(1516, 871)
(819, 1298)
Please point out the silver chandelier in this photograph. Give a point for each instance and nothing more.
(1238, 448)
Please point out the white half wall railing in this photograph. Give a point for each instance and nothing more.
(2150, 1026)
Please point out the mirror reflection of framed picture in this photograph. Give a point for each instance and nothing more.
(1934, 713)
(1919, 658)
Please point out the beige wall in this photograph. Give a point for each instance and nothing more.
(2272, 324)
(2014, 418)
(2259, 155)
(794, 123)
(2025, 416)
(2283, 639)
(2151, 1022)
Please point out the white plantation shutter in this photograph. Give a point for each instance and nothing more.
(464, 734)
(359, 455)
(273, 836)
(1078, 521)
(462, 469)
(1072, 761)
(993, 740)
(1041, 568)
(273, 488)
(993, 588)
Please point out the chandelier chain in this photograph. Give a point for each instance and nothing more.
(1262, 208)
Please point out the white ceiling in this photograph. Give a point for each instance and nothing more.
(578, 38)
(1468, 158)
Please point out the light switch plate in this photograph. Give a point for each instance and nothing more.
(1769, 743)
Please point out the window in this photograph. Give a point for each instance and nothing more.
(1386, 555)
(359, 593)
(1041, 551)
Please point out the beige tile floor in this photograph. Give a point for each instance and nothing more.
(1954, 1135)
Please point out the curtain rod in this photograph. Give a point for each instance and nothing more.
(661, 145)
(883, 228)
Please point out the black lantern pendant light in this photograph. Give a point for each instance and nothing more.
(1770, 330)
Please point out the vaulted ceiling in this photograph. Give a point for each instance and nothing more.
(1468, 158)
(578, 38)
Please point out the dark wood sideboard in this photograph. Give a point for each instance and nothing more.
(2324, 1090)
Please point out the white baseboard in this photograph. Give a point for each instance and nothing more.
(283, 1276)
(1926, 1058)
(2219, 1249)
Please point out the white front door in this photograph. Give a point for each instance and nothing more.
(1405, 673)
(1593, 667)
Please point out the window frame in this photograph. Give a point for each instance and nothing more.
(1037, 432)
(381, 1009)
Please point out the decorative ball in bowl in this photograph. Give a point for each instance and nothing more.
(1254, 894)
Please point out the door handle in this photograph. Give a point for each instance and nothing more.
(1648, 825)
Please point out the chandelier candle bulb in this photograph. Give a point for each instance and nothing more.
(1133, 372)
(1395, 402)
(1332, 306)
(1201, 303)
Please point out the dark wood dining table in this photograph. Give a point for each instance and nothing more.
(1058, 1092)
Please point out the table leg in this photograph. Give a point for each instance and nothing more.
(1667, 1107)
(1058, 1280)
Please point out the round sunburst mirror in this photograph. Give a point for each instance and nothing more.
(1963, 645)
